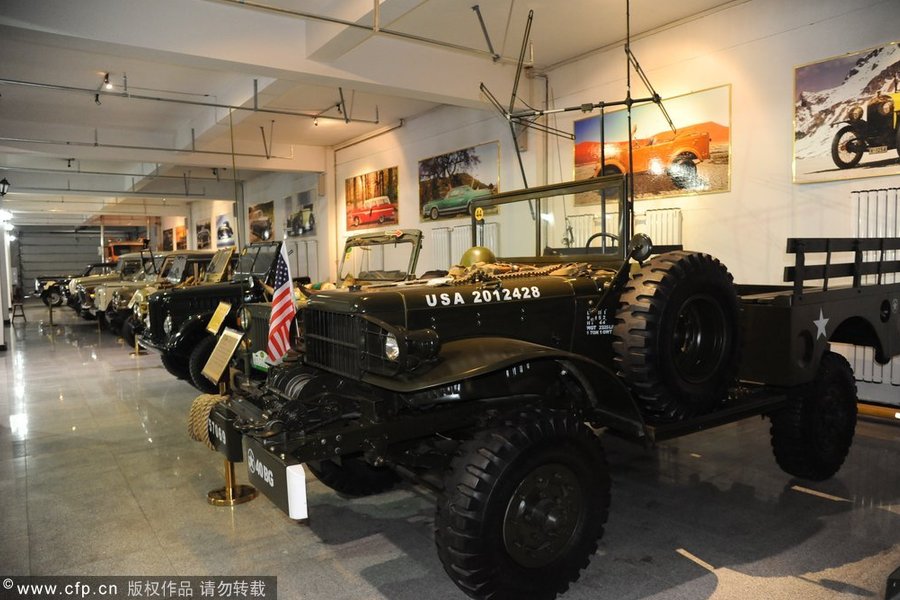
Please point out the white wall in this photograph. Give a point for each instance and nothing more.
(439, 131)
(754, 47)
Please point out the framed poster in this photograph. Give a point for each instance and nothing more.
(204, 235)
(448, 183)
(696, 158)
(845, 116)
(300, 220)
(372, 199)
(224, 230)
(261, 218)
(181, 238)
(168, 239)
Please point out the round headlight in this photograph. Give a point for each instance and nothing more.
(167, 324)
(856, 113)
(391, 347)
(887, 107)
(244, 319)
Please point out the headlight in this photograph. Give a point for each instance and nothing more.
(887, 107)
(244, 319)
(856, 113)
(391, 347)
(167, 324)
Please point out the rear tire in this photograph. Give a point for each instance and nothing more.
(523, 507)
(199, 356)
(353, 476)
(813, 434)
(676, 335)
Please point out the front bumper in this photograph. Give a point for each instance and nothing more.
(280, 478)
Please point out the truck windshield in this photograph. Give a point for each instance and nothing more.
(585, 219)
(256, 260)
(173, 269)
(380, 257)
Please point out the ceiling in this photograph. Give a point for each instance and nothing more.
(206, 92)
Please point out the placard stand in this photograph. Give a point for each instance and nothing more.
(232, 494)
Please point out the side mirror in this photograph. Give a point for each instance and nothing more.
(639, 247)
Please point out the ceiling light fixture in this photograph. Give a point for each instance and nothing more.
(106, 82)
(97, 99)
(316, 121)
(4, 187)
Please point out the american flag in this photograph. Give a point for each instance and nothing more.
(283, 310)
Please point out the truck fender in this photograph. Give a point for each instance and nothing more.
(182, 342)
(610, 400)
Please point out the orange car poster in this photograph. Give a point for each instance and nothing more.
(693, 159)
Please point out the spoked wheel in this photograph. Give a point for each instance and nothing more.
(523, 507)
(846, 148)
(813, 434)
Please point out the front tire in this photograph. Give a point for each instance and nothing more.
(676, 335)
(846, 148)
(199, 356)
(353, 476)
(128, 334)
(813, 434)
(52, 298)
(434, 213)
(175, 365)
(523, 507)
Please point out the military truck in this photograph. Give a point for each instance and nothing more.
(369, 260)
(490, 385)
(176, 322)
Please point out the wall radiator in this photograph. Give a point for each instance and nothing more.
(877, 215)
(448, 244)
(663, 225)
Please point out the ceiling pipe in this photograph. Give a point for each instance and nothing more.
(110, 192)
(96, 144)
(129, 96)
(105, 173)
(375, 29)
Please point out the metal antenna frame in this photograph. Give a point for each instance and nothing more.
(527, 118)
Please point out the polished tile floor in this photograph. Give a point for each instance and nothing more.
(99, 477)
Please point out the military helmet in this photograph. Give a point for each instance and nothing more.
(477, 254)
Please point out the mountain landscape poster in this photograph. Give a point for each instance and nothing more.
(845, 116)
(695, 158)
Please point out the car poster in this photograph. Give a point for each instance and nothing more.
(846, 111)
(224, 230)
(695, 158)
(372, 199)
(261, 218)
(181, 238)
(204, 236)
(449, 183)
(301, 218)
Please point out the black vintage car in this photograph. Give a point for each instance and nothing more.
(876, 134)
(176, 321)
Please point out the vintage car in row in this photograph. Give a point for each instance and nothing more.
(81, 289)
(456, 201)
(176, 322)
(111, 300)
(188, 268)
(54, 289)
(876, 134)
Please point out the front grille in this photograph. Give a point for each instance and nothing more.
(345, 344)
(333, 342)
(259, 326)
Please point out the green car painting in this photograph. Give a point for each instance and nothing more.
(457, 200)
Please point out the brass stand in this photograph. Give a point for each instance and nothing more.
(231, 494)
(138, 351)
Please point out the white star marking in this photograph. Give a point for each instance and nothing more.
(820, 324)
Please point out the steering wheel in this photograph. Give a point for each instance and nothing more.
(611, 236)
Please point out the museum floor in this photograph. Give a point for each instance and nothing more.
(99, 477)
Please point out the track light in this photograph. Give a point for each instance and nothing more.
(106, 82)
(316, 121)
(4, 187)
(97, 99)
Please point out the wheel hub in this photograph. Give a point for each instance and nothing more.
(699, 337)
(543, 516)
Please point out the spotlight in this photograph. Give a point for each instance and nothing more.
(97, 99)
(106, 82)
(4, 187)
(316, 121)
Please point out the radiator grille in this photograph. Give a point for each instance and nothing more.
(345, 344)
